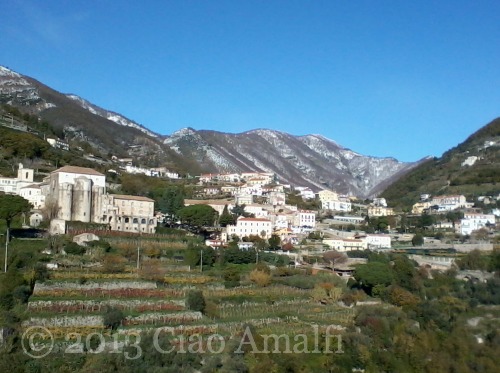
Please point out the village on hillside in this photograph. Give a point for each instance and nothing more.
(341, 222)
(104, 259)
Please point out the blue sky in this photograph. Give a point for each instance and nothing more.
(397, 78)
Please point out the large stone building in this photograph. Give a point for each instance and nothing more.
(79, 194)
(129, 213)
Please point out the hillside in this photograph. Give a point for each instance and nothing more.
(472, 168)
(310, 160)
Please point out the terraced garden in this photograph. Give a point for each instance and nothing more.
(75, 300)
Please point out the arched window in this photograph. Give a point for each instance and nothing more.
(127, 220)
(143, 221)
(135, 221)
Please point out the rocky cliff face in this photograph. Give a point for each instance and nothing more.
(311, 160)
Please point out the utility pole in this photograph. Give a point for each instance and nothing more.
(6, 249)
(138, 251)
(201, 260)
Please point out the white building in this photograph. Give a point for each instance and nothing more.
(257, 210)
(12, 185)
(305, 192)
(243, 199)
(377, 241)
(350, 219)
(449, 203)
(344, 206)
(472, 222)
(380, 202)
(33, 193)
(251, 227)
(335, 243)
(330, 200)
(276, 198)
(379, 211)
(351, 244)
(305, 218)
(280, 221)
(58, 144)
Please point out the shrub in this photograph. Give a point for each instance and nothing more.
(113, 263)
(262, 267)
(260, 278)
(195, 301)
(231, 277)
(73, 248)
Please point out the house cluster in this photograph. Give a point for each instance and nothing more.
(126, 165)
(471, 221)
(75, 193)
(267, 219)
(440, 204)
(244, 177)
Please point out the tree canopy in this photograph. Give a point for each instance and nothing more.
(12, 206)
(197, 215)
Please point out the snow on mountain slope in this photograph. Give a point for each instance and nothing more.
(112, 116)
(311, 160)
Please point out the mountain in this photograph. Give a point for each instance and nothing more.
(472, 168)
(311, 160)
(110, 115)
(77, 120)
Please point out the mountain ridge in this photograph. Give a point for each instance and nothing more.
(307, 160)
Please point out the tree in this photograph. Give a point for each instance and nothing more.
(171, 200)
(333, 257)
(481, 234)
(373, 274)
(10, 207)
(274, 242)
(238, 210)
(417, 240)
(474, 260)
(226, 218)
(113, 318)
(198, 215)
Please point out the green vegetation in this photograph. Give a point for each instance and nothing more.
(446, 175)
(419, 313)
(195, 301)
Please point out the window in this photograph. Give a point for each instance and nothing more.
(135, 221)
(143, 221)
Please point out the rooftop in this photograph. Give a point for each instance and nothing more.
(133, 198)
(78, 170)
